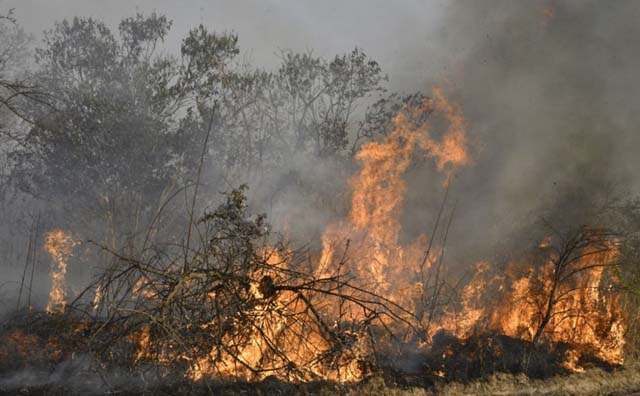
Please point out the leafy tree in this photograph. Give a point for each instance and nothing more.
(321, 97)
(125, 125)
(114, 141)
(13, 87)
(306, 107)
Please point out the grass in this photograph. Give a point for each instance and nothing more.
(594, 382)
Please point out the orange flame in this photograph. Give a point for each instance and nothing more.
(270, 319)
(378, 190)
(384, 265)
(588, 317)
(585, 316)
(60, 246)
(378, 193)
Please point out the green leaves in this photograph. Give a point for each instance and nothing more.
(143, 33)
(119, 106)
(205, 56)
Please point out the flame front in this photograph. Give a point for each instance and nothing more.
(585, 316)
(325, 343)
(366, 246)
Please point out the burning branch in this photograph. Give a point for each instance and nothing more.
(237, 307)
(580, 252)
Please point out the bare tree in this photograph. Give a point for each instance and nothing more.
(577, 252)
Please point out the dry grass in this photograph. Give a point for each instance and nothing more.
(593, 382)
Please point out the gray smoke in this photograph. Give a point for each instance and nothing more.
(550, 91)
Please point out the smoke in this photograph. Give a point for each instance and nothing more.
(549, 91)
(77, 375)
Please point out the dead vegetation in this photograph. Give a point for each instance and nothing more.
(594, 382)
(232, 305)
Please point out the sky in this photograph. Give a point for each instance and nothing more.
(387, 31)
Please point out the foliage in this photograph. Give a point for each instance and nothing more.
(124, 123)
(114, 127)
(13, 87)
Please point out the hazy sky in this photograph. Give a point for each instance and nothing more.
(388, 31)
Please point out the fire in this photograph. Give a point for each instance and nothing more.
(97, 299)
(60, 246)
(275, 338)
(453, 148)
(378, 189)
(276, 334)
(462, 323)
(248, 352)
(529, 299)
(143, 339)
(583, 315)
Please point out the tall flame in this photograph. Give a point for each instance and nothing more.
(378, 193)
(378, 190)
(60, 246)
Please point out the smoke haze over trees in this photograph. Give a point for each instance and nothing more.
(565, 120)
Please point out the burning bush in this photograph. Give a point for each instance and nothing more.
(232, 305)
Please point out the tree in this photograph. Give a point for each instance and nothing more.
(306, 107)
(322, 96)
(113, 144)
(13, 88)
(377, 119)
(577, 253)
